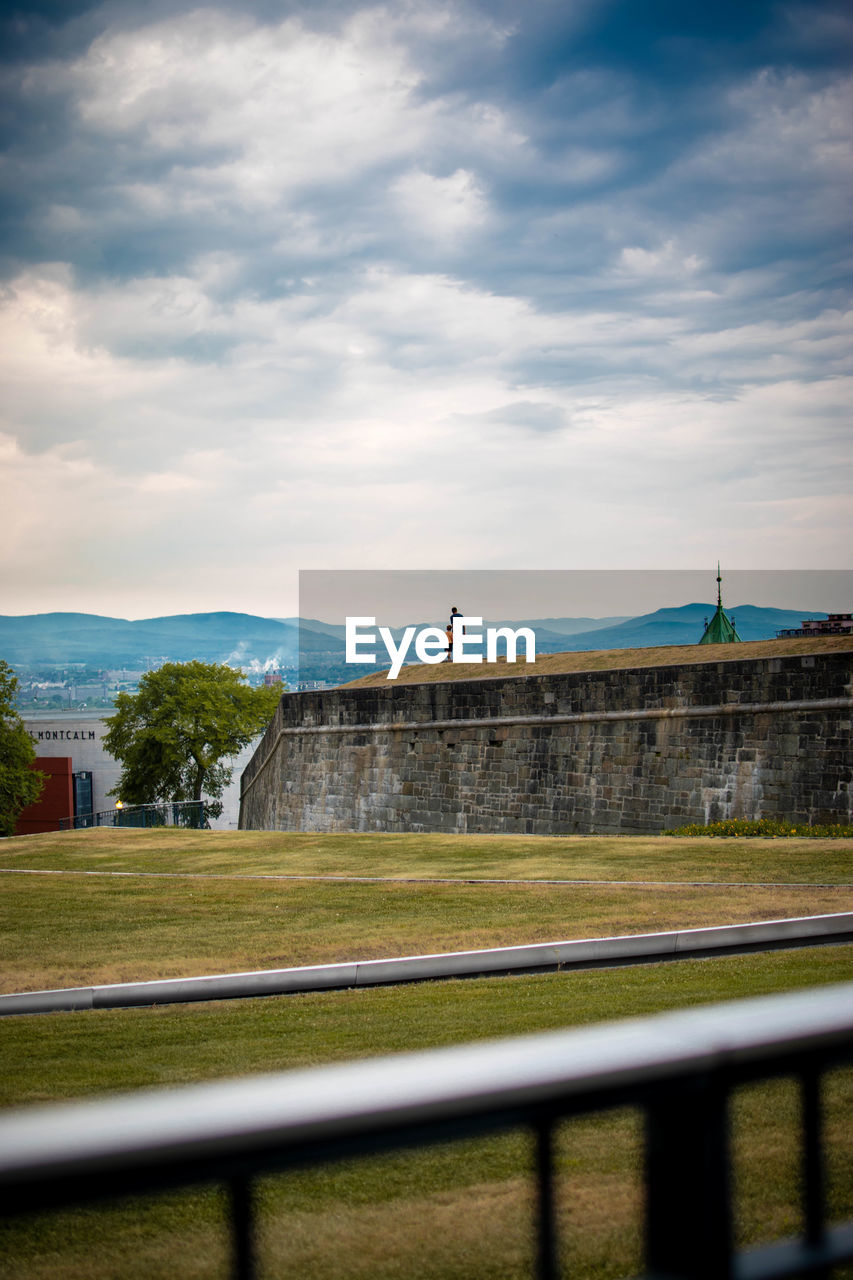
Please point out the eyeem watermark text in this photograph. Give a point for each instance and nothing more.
(432, 643)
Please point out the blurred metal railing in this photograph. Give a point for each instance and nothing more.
(678, 1068)
(170, 813)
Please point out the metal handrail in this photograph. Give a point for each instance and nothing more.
(678, 1067)
(165, 813)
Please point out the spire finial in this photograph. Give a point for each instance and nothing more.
(719, 580)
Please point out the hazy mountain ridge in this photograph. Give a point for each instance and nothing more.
(248, 640)
(116, 642)
(685, 624)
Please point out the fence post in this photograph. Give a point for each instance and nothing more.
(242, 1229)
(814, 1190)
(688, 1206)
(547, 1265)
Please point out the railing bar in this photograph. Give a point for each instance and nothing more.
(243, 1255)
(547, 1262)
(140, 815)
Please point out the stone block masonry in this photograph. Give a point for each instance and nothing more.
(608, 752)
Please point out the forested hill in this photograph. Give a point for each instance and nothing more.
(237, 638)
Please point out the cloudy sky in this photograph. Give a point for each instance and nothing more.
(476, 285)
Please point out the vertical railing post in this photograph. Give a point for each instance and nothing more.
(813, 1176)
(242, 1229)
(547, 1264)
(688, 1205)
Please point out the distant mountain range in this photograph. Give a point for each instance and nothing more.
(684, 625)
(243, 640)
(237, 638)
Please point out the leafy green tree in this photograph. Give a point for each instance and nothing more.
(19, 784)
(172, 736)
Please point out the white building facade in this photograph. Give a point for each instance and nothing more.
(79, 735)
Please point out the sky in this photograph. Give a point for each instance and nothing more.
(419, 286)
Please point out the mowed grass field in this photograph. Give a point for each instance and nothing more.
(189, 902)
(178, 903)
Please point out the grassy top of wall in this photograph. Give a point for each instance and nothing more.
(611, 660)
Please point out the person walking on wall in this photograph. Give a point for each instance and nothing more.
(454, 614)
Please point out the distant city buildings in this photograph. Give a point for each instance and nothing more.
(70, 750)
(81, 772)
(835, 624)
(73, 686)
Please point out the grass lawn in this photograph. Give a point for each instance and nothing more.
(449, 1211)
(71, 1055)
(205, 907)
(637, 858)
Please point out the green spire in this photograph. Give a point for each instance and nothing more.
(720, 630)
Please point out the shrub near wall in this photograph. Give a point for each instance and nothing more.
(767, 827)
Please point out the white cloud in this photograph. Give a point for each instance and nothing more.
(786, 123)
(443, 208)
(782, 171)
(667, 260)
(227, 110)
(219, 119)
(292, 105)
(257, 113)
(166, 482)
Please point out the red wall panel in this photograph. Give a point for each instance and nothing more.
(55, 802)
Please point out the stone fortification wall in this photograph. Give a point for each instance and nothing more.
(608, 751)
